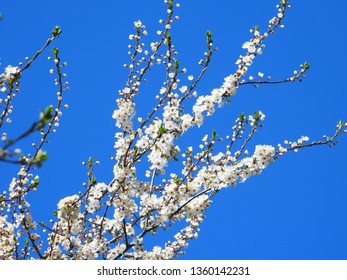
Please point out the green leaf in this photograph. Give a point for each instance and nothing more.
(34, 183)
(55, 52)
(306, 66)
(40, 158)
(168, 39)
(176, 179)
(177, 65)
(56, 31)
(256, 115)
(90, 162)
(45, 116)
(339, 127)
(214, 133)
(22, 159)
(209, 36)
(136, 149)
(161, 131)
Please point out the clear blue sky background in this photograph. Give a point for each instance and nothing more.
(297, 209)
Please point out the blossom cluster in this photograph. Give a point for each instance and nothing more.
(111, 220)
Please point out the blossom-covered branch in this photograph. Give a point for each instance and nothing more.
(145, 197)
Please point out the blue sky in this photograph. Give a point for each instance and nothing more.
(296, 209)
